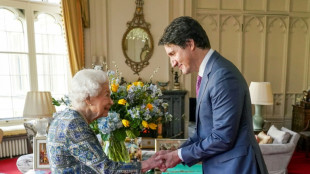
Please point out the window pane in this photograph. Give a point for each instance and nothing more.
(14, 74)
(11, 32)
(53, 73)
(54, 1)
(52, 60)
(14, 67)
(18, 103)
(6, 107)
(49, 1)
(49, 36)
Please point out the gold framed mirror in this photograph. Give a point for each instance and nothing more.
(137, 42)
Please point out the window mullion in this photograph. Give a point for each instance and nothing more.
(33, 77)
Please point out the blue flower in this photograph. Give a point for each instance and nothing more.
(109, 123)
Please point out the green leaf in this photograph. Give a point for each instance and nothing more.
(119, 134)
(105, 137)
(94, 126)
(55, 102)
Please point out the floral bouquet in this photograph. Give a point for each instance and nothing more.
(137, 107)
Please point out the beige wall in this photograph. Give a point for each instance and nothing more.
(267, 40)
(108, 24)
(114, 20)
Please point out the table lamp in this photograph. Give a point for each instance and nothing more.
(38, 104)
(261, 94)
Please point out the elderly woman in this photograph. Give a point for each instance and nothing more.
(72, 145)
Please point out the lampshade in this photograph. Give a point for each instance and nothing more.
(261, 93)
(38, 104)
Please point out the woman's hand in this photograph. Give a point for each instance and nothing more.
(152, 163)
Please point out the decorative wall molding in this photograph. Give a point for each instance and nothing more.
(210, 20)
(276, 21)
(298, 22)
(259, 24)
(266, 51)
(236, 23)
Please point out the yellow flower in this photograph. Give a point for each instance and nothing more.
(149, 106)
(128, 87)
(114, 87)
(125, 123)
(144, 124)
(153, 126)
(122, 102)
(135, 83)
(140, 84)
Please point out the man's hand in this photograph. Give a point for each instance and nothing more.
(151, 163)
(169, 159)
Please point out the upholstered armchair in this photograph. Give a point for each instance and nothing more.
(278, 156)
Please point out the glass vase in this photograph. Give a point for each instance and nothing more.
(116, 150)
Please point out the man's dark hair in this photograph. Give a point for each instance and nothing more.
(181, 30)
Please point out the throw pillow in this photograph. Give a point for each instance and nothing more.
(31, 131)
(280, 137)
(263, 138)
(256, 138)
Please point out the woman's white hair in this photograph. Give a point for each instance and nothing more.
(86, 82)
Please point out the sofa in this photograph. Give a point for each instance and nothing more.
(278, 155)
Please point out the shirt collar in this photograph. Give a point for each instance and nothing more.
(204, 62)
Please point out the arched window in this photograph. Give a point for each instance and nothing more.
(14, 72)
(33, 53)
(51, 54)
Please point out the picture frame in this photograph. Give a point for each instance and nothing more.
(40, 160)
(148, 143)
(168, 144)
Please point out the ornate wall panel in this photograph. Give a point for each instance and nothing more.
(278, 105)
(289, 101)
(211, 25)
(275, 52)
(268, 40)
(258, 5)
(230, 38)
(277, 5)
(253, 52)
(297, 50)
(300, 6)
(231, 5)
(208, 4)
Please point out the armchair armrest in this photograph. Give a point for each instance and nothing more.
(269, 149)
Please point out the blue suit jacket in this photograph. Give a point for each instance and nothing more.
(224, 139)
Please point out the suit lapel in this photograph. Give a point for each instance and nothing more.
(204, 82)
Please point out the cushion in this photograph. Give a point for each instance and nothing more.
(31, 130)
(279, 137)
(13, 130)
(25, 163)
(263, 138)
(256, 138)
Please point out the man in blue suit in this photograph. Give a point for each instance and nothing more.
(224, 140)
